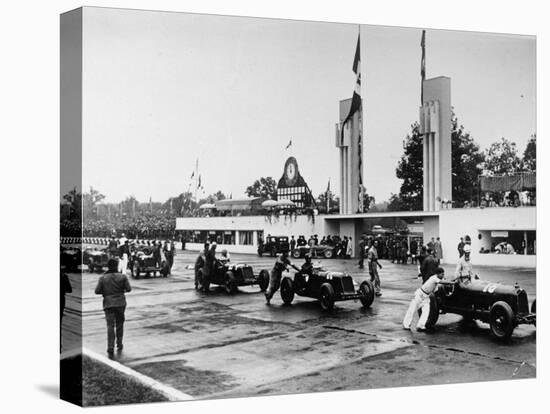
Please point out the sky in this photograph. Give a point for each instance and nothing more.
(163, 90)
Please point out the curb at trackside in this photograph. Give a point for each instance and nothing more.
(170, 393)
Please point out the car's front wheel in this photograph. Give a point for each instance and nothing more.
(327, 297)
(287, 290)
(328, 254)
(296, 253)
(367, 291)
(263, 280)
(230, 282)
(502, 320)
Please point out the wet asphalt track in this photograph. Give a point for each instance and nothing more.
(215, 345)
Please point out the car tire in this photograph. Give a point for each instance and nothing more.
(263, 280)
(296, 253)
(326, 297)
(199, 278)
(230, 283)
(367, 289)
(287, 290)
(502, 320)
(534, 311)
(328, 254)
(434, 312)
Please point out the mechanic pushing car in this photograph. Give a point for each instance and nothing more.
(421, 300)
(282, 263)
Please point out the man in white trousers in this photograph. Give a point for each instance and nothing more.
(421, 300)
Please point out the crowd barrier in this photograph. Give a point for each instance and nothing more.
(104, 241)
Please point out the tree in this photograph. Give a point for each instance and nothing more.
(529, 162)
(466, 158)
(74, 200)
(467, 161)
(368, 200)
(90, 200)
(265, 187)
(501, 158)
(333, 203)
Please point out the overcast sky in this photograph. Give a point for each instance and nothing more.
(161, 90)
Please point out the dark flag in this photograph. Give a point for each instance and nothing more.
(289, 144)
(356, 99)
(423, 66)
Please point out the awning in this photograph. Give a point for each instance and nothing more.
(237, 204)
(503, 183)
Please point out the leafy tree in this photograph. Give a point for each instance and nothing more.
(74, 200)
(501, 158)
(333, 203)
(265, 187)
(368, 200)
(466, 159)
(530, 154)
(90, 201)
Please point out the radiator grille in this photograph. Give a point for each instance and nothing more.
(523, 305)
(347, 284)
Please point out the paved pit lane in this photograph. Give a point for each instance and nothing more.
(217, 345)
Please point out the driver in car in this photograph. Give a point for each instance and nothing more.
(464, 266)
(421, 300)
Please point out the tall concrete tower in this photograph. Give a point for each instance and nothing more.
(351, 165)
(435, 126)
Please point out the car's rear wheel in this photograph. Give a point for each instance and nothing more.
(296, 253)
(230, 284)
(534, 311)
(434, 312)
(367, 291)
(502, 320)
(326, 297)
(263, 280)
(287, 290)
(328, 254)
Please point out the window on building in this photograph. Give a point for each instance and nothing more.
(245, 237)
(228, 237)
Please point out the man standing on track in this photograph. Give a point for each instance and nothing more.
(113, 286)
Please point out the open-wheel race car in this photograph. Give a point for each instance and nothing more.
(96, 259)
(318, 251)
(274, 245)
(230, 276)
(143, 262)
(503, 307)
(326, 286)
(70, 258)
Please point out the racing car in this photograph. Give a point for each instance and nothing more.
(503, 307)
(142, 262)
(70, 258)
(231, 276)
(96, 259)
(326, 286)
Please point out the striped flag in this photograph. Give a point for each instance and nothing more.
(422, 66)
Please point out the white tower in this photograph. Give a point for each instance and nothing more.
(351, 165)
(435, 126)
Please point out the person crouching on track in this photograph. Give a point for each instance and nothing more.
(421, 300)
(281, 264)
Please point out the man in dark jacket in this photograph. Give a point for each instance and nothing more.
(362, 247)
(113, 286)
(209, 260)
(428, 266)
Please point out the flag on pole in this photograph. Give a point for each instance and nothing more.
(356, 99)
(422, 66)
(199, 184)
(289, 144)
(328, 186)
(192, 174)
